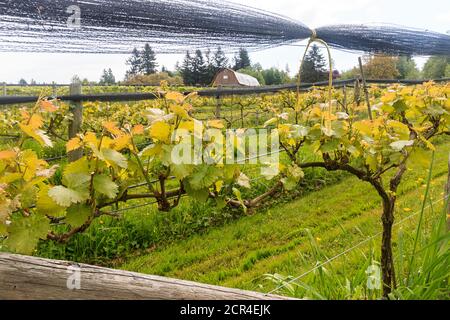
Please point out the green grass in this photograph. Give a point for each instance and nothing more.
(291, 238)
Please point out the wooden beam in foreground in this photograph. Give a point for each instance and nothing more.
(31, 278)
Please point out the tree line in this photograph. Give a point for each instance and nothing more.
(403, 67)
(199, 69)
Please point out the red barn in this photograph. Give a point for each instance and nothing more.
(231, 78)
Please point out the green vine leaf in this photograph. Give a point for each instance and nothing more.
(24, 233)
(65, 197)
(104, 185)
(46, 205)
(78, 215)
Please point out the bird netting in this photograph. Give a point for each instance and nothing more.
(173, 26)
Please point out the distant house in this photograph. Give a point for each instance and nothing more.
(231, 78)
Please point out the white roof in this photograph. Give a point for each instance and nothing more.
(246, 80)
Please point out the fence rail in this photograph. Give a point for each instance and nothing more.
(33, 278)
(216, 93)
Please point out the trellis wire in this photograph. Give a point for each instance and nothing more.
(155, 201)
(347, 251)
(143, 184)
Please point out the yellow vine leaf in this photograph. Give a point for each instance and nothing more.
(73, 144)
(25, 115)
(107, 142)
(219, 185)
(37, 135)
(217, 124)
(160, 131)
(179, 111)
(48, 106)
(7, 154)
(175, 96)
(191, 95)
(138, 130)
(36, 121)
(122, 142)
(90, 137)
(112, 128)
(187, 125)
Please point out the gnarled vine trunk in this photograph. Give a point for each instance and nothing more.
(387, 259)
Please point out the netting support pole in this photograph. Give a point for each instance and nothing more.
(366, 91)
(76, 108)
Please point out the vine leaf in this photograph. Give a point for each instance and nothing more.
(46, 205)
(114, 158)
(25, 232)
(48, 106)
(7, 154)
(104, 185)
(203, 177)
(175, 96)
(238, 195)
(181, 171)
(244, 181)
(73, 144)
(65, 197)
(78, 215)
(200, 195)
(400, 145)
(160, 131)
(37, 135)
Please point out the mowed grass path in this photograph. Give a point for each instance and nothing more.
(278, 240)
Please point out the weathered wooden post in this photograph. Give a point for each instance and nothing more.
(4, 89)
(366, 91)
(54, 90)
(31, 278)
(357, 93)
(76, 108)
(345, 99)
(447, 195)
(218, 104)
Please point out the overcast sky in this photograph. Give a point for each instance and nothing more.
(430, 14)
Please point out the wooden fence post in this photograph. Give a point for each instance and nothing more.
(218, 104)
(447, 195)
(54, 90)
(357, 93)
(76, 108)
(345, 99)
(366, 91)
(4, 88)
